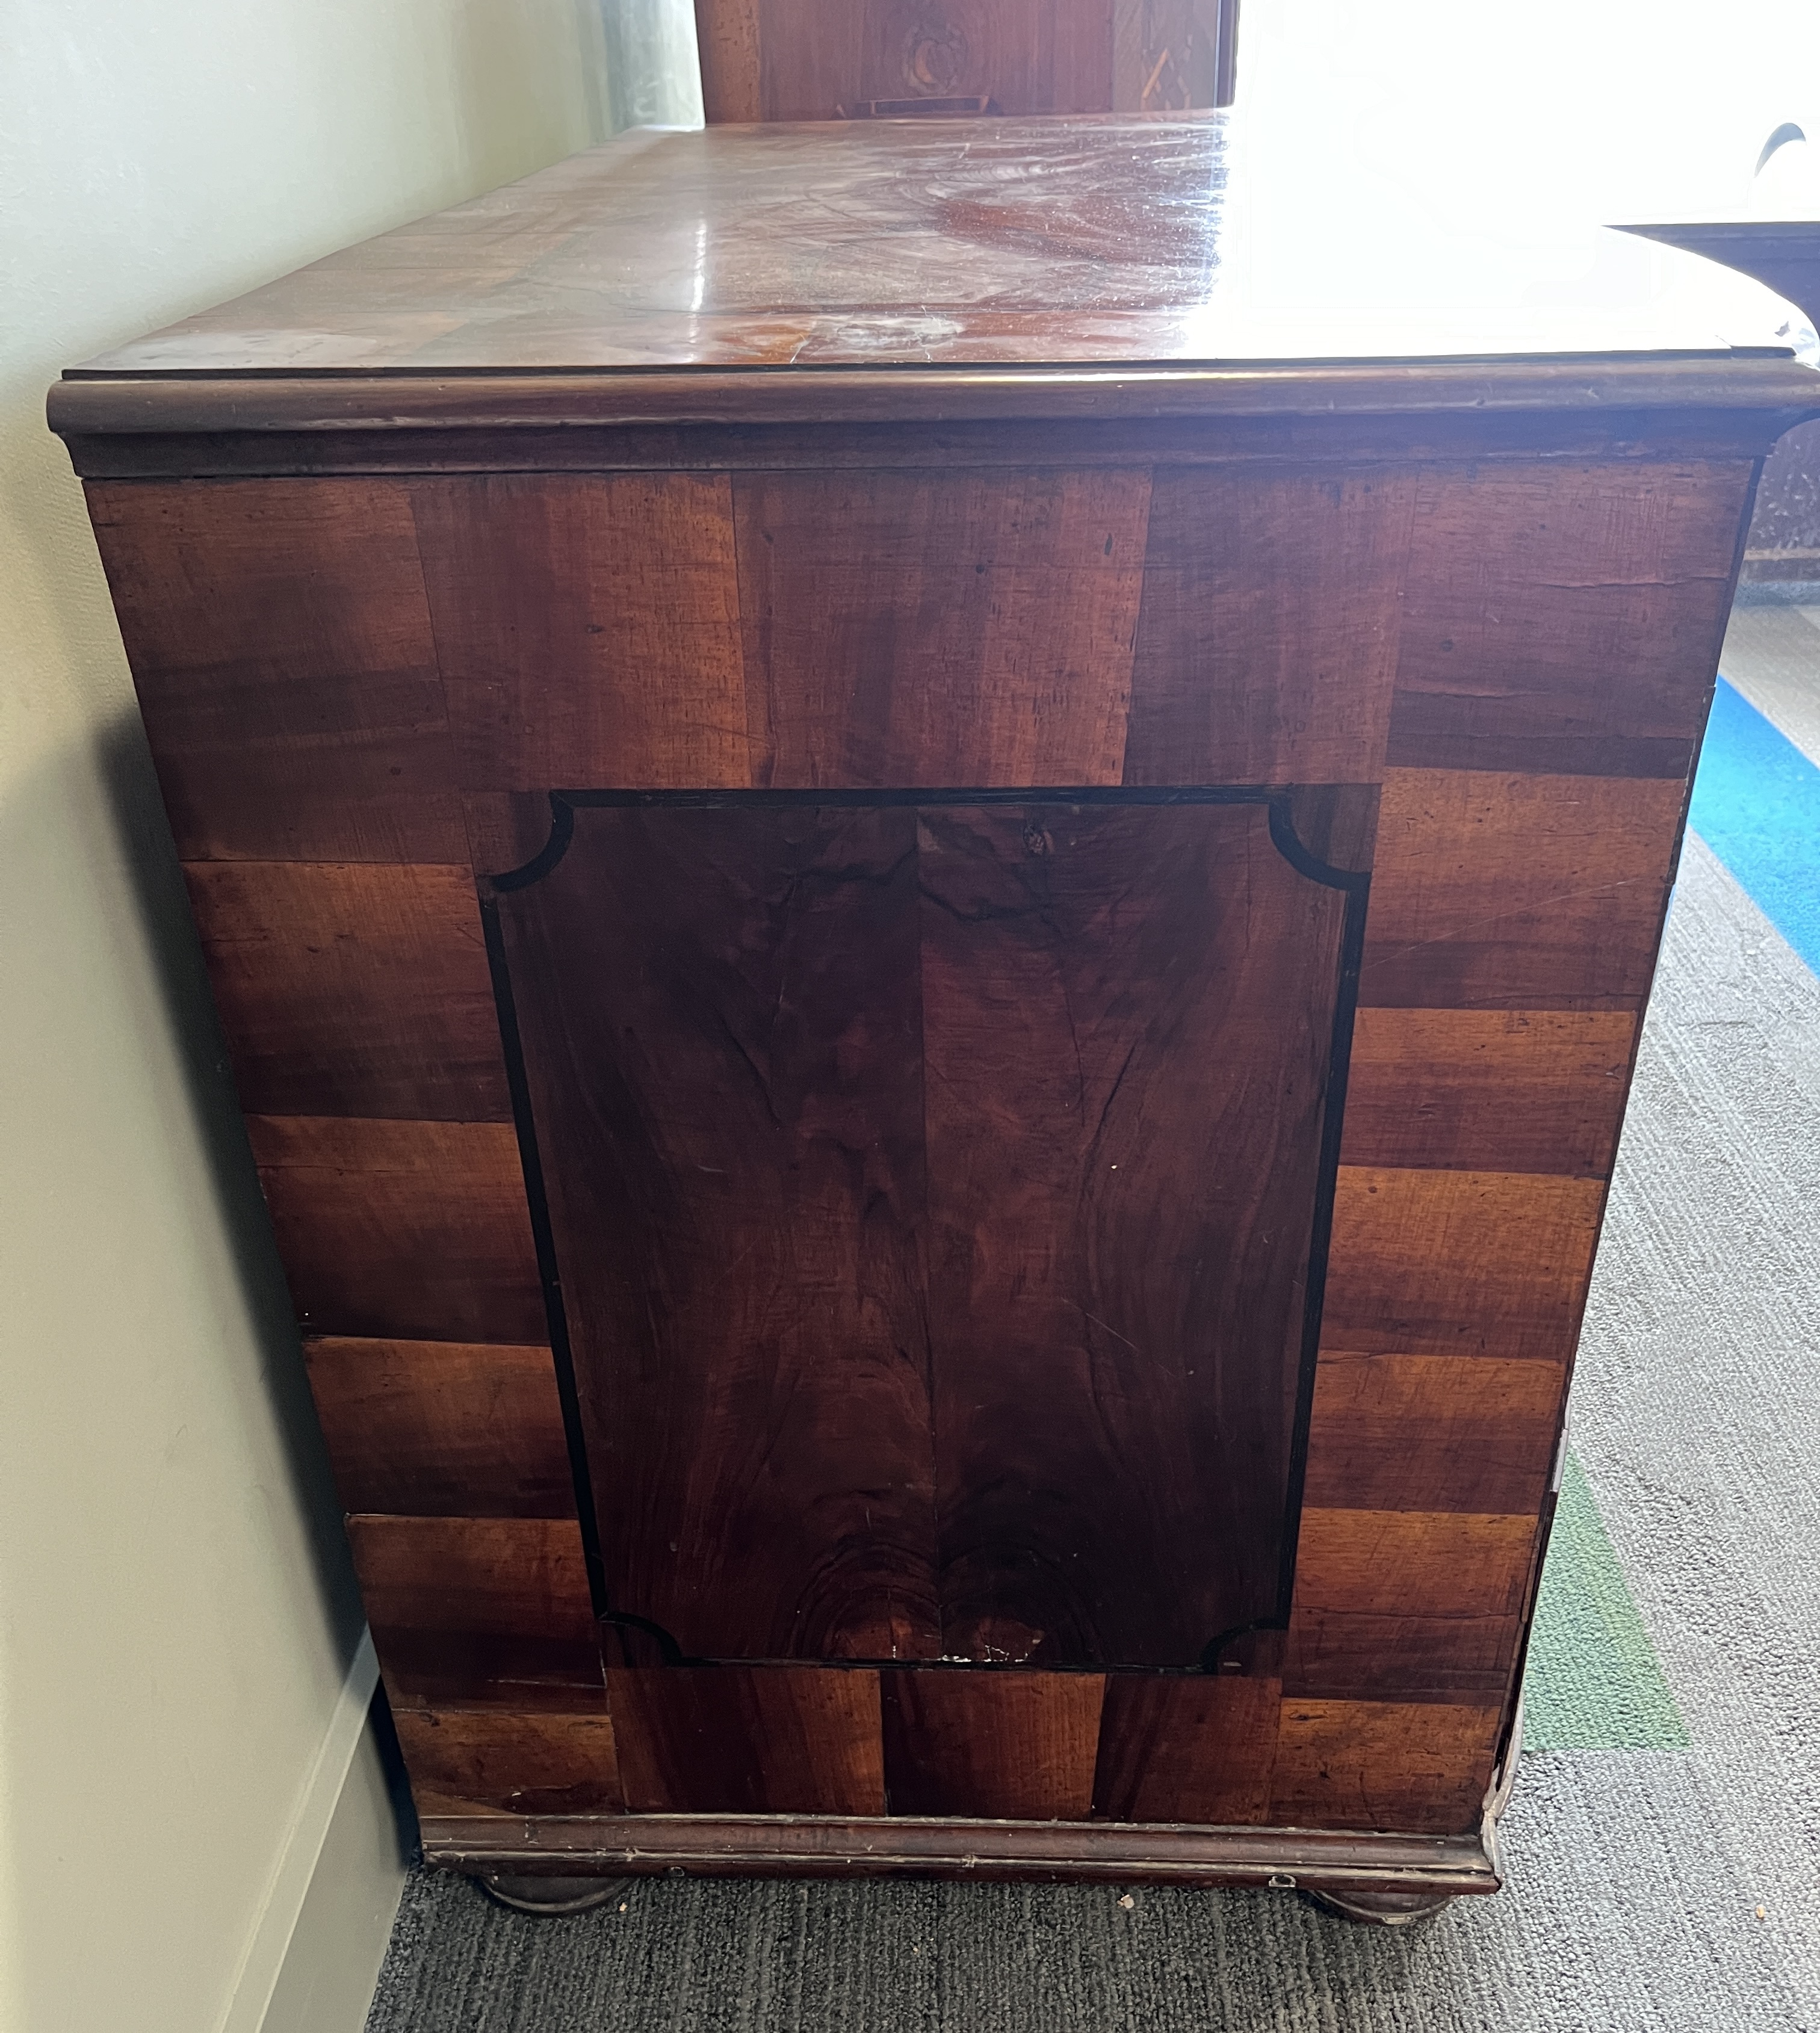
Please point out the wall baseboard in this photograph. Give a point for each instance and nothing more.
(324, 1923)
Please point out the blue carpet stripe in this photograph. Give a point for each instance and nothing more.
(1757, 805)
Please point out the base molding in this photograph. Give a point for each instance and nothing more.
(587, 1845)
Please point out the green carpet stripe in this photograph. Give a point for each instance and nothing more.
(1592, 1681)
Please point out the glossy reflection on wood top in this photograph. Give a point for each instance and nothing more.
(1031, 241)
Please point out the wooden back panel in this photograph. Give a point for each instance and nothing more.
(825, 60)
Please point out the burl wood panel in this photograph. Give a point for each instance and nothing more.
(932, 1198)
(280, 645)
(1583, 639)
(507, 1762)
(1498, 891)
(436, 1428)
(1489, 1090)
(1005, 1745)
(722, 1033)
(753, 1740)
(489, 1612)
(1263, 657)
(1459, 1263)
(413, 1231)
(948, 628)
(357, 990)
(1127, 1017)
(588, 628)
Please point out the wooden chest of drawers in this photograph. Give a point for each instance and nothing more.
(932, 910)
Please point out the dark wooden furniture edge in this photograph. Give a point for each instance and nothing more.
(800, 1846)
(87, 404)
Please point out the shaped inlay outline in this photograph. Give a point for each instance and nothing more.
(1353, 884)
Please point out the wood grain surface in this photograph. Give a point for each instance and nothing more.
(1489, 1090)
(358, 989)
(1127, 1015)
(754, 1740)
(1006, 1746)
(1495, 891)
(1383, 1765)
(793, 60)
(588, 628)
(731, 1130)
(480, 1611)
(880, 1190)
(405, 1230)
(437, 1428)
(1583, 640)
(1262, 658)
(920, 247)
(522, 1763)
(286, 668)
(1409, 1605)
(1468, 1433)
(1459, 1263)
(908, 628)
(931, 1187)
(1196, 1748)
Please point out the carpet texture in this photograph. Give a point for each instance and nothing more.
(1663, 1842)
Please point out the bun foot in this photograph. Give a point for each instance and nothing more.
(550, 1897)
(1383, 1909)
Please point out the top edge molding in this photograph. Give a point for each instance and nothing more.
(1755, 385)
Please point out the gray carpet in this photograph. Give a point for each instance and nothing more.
(1636, 1876)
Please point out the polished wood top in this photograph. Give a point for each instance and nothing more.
(1026, 242)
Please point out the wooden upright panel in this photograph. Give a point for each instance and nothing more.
(438, 1429)
(1008, 1746)
(510, 1761)
(757, 1740)
(407, 1231)
(1489, 1090)
(805, 60)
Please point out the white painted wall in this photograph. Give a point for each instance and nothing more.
(176, 1614)
(1596, 110)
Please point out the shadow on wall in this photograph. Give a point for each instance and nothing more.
(147, 852)
(108, 780)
